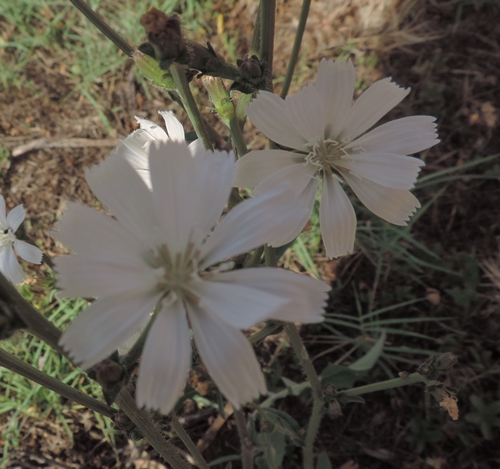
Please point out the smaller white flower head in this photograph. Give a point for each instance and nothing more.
(135, 147)
(324, 131)
(160, 252)
(8, 262)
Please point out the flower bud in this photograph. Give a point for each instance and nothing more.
(108, 372)
(220, 98)
(445, 362)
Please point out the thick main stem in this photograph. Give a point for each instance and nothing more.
(149, 431)
(304, 12)
(18, 366)
(317, 390)
(246, 444)
(179, 76)
(188, 442)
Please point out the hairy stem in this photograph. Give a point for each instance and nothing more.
(304, 12)
(18, 366)
(267, 12)
(98, 21)
(179, 75)
(246, 444)
(237, 136)
(188, 442)
(149, 431)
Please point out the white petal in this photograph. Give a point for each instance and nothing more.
(337, 219)
(15, 217)
(196, 147)
(237, 305)
(335, 86)
(256, 166)
(305, 296)
(393, 205)
(396, 171)
(175, 194)
(3, 217)
(105, 324)
(268, 113)
(402, 136)
(165, 360)
(123, 192)
(152, 128)
(109, 260)
(250, 224)
(10, 267)
(305, 111)
(28, 252)
(135, 149)
(174, 128)
(371, 106)
(215, 175)
(228, 357)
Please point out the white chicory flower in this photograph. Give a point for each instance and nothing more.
(135, 147)
(326, 134)
(160, 253)
(8, 262)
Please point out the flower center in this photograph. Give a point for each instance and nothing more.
(325, 153)
(6, 238)
(175, 273)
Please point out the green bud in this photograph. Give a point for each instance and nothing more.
(220, 98)
(151, 70)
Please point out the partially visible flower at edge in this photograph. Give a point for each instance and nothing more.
(324, 131)
(9, 266)
(161, 253)
(135, 147)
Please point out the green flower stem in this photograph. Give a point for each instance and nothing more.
(272, 327)
(304, 12)
(267, 12)
(18, 366)
(246, 444)
(188, 442)
(12, 302)
(390, 384)
(237, 136)
(317, 390)
(179, 75)
(255, 46)
(98, 21)
(149, 431)
(270, 254)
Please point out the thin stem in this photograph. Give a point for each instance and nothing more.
(255, 47)
(267, 11)
(179, 75)
(390, 383)
(237, 136)
(304, 12)
(18, 366)
(149, 431)
(35, 323)
(188, 442)
(246, 444)
(98, 21)
(313, 378)
(272, 327)
(270, 254)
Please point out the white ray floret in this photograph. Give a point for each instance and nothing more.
(160, 253)
(9, 266)
(325, 133)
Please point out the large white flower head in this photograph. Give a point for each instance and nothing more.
(8, 262)
(161, 253)
(136, 146)
(326, 134)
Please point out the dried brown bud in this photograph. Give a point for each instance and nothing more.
(122, 422)
(165, 35)
(446, 400)
(108, 372)
(251, 69)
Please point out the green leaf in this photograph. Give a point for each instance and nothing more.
(339, 376)
(323, 461)
(368, 361)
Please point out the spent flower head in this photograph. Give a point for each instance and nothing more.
(160, 253)
(9, 266)
(325, 134)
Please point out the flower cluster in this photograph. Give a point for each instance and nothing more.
(164, 259)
